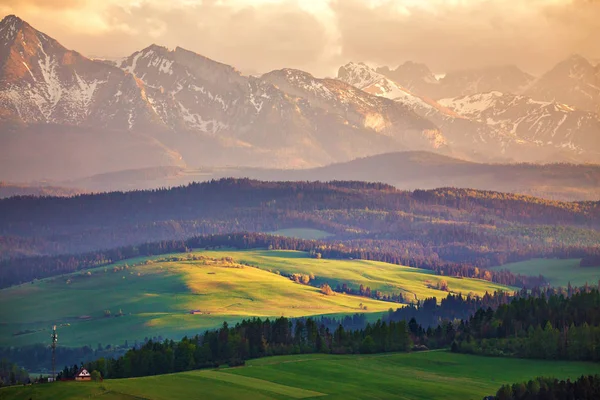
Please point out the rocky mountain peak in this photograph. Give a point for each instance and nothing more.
(573, 81)
(358, 74)
(410, 73)
(9, 26)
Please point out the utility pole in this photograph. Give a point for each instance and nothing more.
(54, 337)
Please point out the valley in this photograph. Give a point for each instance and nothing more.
(292, 200)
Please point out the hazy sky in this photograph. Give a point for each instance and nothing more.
(320, 35)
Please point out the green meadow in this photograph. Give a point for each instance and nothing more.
(154, 297)
(413, 283)
(558, 272)
(413, 376)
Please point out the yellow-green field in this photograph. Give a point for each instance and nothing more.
(156, 298)
(413, 283)
(415, 376)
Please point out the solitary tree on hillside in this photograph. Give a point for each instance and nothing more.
(326, 289)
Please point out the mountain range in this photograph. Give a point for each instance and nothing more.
(64, 116)
(495, 123)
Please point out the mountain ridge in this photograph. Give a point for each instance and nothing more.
(189, 107)
(64, 116)
(404, 170)
(494, 124)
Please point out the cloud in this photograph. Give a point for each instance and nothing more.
(44, 4)
(320, 35)
(449, 35)
(257, 38)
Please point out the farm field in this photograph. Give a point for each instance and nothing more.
(558, 272)
(413, 376)
(155, 298)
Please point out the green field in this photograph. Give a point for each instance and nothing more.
(155, 299)
(557, 272)
(428, 376)
(413, 283)
(302, 233)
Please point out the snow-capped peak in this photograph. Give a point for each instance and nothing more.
(359, 75)
(12, 20)
(9, 26)
(366, 78)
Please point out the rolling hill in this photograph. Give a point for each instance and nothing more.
(152, 297)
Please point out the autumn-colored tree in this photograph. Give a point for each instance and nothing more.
(326, 290)
(443, 285)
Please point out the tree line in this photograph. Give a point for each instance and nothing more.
(586, 387)
(21, 270)
(252, 338)
(477, 228)
(553, 327)
(12, 374)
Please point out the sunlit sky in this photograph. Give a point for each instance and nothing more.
(320, 35)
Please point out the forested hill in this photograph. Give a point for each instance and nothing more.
(455, 224)
(227, 196)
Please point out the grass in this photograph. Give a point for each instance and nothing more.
(156, 298)
(414, 376)
(303, 233)
(413, 283)
(558, 272)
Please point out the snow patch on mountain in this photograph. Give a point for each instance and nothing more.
(365, 78)
(542, 122)
(9, 28)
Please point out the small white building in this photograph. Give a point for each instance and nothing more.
(83, 375)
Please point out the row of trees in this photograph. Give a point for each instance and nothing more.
(20, 270)
(365, 291)
(251, 339)
(553, 327)
(585, 387)
(12, 374)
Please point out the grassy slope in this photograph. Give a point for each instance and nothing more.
(429, 375)
(156, 298)
(388, 278)
(558, 272)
